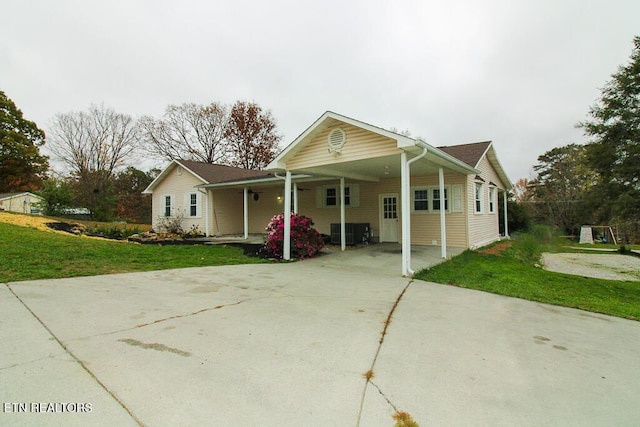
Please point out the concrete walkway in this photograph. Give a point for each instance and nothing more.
(291, 344)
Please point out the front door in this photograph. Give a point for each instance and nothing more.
(389, 218)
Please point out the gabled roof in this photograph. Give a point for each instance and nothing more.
(209, 173)
(471, 154)
(402, 141)
(4, 196)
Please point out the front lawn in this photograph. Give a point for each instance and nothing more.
(507, 272)
(28, 254)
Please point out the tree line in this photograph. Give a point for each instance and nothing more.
(593, 183)
(597, 183)
(100, 149)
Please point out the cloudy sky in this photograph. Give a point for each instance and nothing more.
(519, 73)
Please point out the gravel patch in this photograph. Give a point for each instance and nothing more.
(599, 266)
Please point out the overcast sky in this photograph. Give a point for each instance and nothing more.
(519, 73)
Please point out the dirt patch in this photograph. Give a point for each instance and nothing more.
(497, 249)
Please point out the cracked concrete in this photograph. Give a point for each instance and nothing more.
(288, 344)
(371, 372)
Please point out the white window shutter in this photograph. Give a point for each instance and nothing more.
(456, 198)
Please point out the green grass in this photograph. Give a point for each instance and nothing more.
(514, 273)
(28, 254)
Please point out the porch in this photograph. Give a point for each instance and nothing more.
(381, 258)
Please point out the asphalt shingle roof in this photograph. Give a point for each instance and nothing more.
(468, 153)
(216, 174)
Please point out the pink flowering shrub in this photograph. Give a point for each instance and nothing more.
(305, 240)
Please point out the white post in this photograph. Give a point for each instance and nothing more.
(295, 197)
(206, 212)
(287, 217)
(246, 213)
(443, 226)
(343, 216)
(506, 223)
(404, 213)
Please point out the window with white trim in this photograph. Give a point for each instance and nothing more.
(421, 199)
(427, 199)
(168, 205)
(329, 196)
(435, 199)
(492, 200)
(478, 198)
(193, 204)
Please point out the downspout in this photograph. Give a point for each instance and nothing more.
(406, 213)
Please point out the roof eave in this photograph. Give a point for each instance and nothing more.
(249, 181)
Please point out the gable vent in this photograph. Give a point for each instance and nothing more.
(337, 138)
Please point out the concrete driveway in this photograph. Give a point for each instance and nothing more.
(291, 344)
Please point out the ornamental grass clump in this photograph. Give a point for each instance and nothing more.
(305, 240)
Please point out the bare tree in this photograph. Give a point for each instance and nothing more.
(188, 132)
(521, 190)
(93, 145)
(97, 140)
(252, 136)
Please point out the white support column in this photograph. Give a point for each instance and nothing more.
(443, 225)
(206, 212)
(506, 223)
(246, 212)
(287, 217)
(295, 197)
(404, 213)
(343, 218)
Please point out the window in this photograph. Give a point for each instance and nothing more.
(492, 198)
(478, 208)
(332, 196)
(428, 199)
(193, 204)
(167, 206)
(435, 199)
(420, 200)
(328, 196)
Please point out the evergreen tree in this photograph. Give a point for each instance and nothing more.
(614, 152)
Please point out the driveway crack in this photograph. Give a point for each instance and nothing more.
(164, 319)
(80, 362)
(370, 373)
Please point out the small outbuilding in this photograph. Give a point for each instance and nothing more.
(24, 202)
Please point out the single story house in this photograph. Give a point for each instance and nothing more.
(346, 174)
(24, 202)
